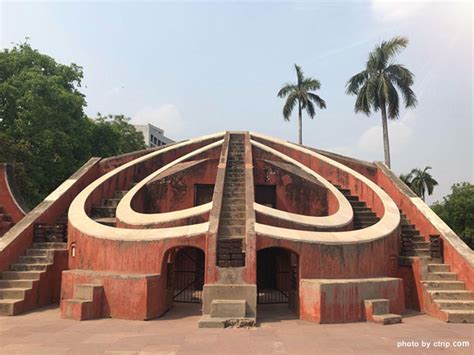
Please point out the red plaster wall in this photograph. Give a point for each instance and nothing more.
(7, 201)
(342, 303)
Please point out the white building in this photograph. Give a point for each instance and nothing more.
(153, 135)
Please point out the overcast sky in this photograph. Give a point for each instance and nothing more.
(202, 67)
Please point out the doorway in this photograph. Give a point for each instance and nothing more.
(188, 275)
(277, 277)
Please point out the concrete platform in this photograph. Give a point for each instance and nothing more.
(278, 331)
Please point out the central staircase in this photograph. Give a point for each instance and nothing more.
(231, 233)
(363, 215)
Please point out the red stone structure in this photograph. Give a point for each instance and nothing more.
(234, 220)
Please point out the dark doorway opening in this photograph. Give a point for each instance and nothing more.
(203, 194)
(188, 275)
(277, 277)
(266, 195)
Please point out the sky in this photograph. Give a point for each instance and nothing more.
(200, 67)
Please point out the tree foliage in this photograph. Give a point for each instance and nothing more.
(377, 87)
(44, 132)
(457, 210)
(420, 181)
(300, 93)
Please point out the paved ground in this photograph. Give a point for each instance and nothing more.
(44, 332)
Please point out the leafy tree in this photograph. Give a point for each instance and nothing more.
(420, 181)
(457, 210)
(300, 93)
(113, 135)
(376, 86)
(44, 132)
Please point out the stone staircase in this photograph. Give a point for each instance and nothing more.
(57, 232)
(28, 282)
(363, 215)
(231, 233)
(105, 212)
(443, 289)
(5, 221)
(378, 311)
(86, 304)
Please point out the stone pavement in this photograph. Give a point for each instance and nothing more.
(44, 332)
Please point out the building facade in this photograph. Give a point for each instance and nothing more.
(153, 136)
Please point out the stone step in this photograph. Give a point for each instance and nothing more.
(438, 268)
(103, 211)
(378, 306)
(13, 293)
(240, 195)
(228, 308)
(33, 260)
(358, 204)
(410, 233)
(28, 267)
(232, 200)
(450, 294)
(16, 284)
(10, 307)
(455, 304)
(231, 222)
(37, 252)
(444, 285)
(417, 239)
(418, 252)
(111, 202)
(421, 245)
(233, 214)
(459, 316)
(119, 194)
(442, 276)
(231, 231)
(20, 275)
(50, 246)
(387, 319)
(233, 208)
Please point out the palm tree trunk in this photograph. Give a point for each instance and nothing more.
(386, 143)
(300, 125)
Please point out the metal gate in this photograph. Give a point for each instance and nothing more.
(188, 275)
(276, 276)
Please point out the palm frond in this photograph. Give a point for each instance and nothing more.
(362, 103)
(299, 74)
(310, 109)
(310, 84)
(317, 100)
(286, 89)
(392, 47)
(392, 100)
(289, 105)
(355, 82)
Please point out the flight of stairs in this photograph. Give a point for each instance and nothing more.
(5, 221)
(231, 233)
(20, 286)
(105, 212)
(56, 232)
(449, 295)
(363, 215)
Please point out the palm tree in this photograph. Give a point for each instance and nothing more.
(376, 86)
(300, 93)
(420, 181)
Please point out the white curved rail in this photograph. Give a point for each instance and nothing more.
(126, 214)
(82, 222)
(341, 218)
(384, 227)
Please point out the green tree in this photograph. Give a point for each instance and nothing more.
(420, 181)
(457, 210)
(113, 135)
(300, 93)
(376, 86)
(44, 132)
(41, 110)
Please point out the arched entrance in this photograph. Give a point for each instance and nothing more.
(187, 275)
(277, 277)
